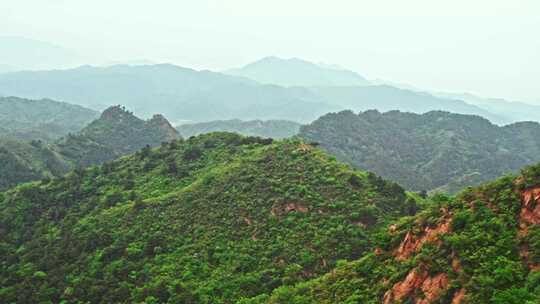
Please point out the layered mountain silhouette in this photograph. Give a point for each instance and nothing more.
(268, 128)
(188, 95)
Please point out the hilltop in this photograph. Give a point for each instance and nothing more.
(212, 219)
(433, 151)
(115, 133)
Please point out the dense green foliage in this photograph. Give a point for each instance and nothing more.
(432, 151)
(41, 119)
(276, 129)
(117, 132)
(212, 219)
(487, 254)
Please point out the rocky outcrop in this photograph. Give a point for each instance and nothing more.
(418, 286)
(459, 296)
(412, 243)
(530, 209)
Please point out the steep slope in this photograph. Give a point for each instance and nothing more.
(116, 133)
(21, 162)
(297, 72)
(433, 151)
(269, 129)
(211, 219)
(41, 119)
(481, 247)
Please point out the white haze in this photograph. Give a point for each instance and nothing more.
(490, 48)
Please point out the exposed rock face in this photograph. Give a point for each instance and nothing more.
(529, 215)
(417, 280)
(459, 296)
(412, 243)
(530, 211)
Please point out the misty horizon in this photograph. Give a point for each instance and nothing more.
(486, 48)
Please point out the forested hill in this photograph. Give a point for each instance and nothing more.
(264, 128)
(212, 219)
(44, 119)
(117, 132)
(481, 247)
(433, 151)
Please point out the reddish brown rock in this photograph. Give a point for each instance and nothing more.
(412, 243)
(417, 280)
(459, 296)
(530, 211)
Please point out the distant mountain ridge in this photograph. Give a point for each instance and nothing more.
(186, 94)
(270, 128)
(297, 72)
(433, 151)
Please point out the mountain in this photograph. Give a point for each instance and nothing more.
(433, 151)
(211, 219)
(116, 133)
(512, 110)
(482, 246)
(387, 98)
(21, 53)
(188, 95)
(179, 93)
(41, 119)
(269, 128)
(297, 72)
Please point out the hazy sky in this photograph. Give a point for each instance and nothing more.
(487, 47)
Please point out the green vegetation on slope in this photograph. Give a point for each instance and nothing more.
(117, 132)
(433, 151)
(276, 129)
(41, 119)
(212, 219)
(481, 247)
